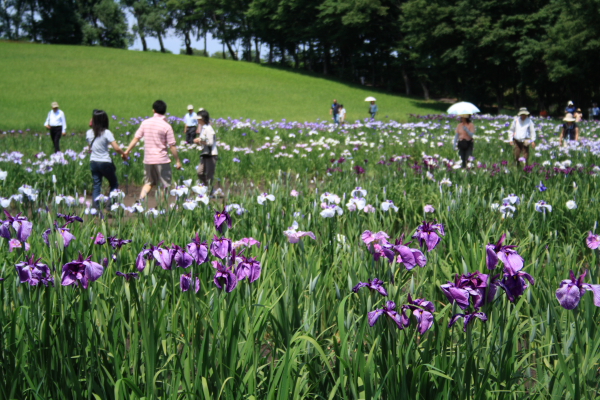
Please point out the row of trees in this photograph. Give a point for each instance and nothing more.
(502, 52)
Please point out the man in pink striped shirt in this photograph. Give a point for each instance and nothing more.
(158, 137)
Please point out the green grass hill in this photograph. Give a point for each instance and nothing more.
(125, 83)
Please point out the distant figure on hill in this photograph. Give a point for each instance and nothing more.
(334, 110)
(101, 164)
(570, 130)
(57, 123)
(208, 156)
(342, 118)
(158, 137)
(595, 112)
(578, 115)
(521, 135)
(570, 109)
(191, 124)
(373, 109)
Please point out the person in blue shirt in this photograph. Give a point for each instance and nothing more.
(570, 108)
(595, 112)
(191, 124)
(335, 111)
(373, 110)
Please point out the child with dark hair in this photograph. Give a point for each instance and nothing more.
(101, 164)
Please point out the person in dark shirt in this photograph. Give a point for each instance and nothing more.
(570, 130)
(335, 111)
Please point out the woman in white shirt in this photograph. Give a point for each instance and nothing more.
(207, 138)
(101, 164)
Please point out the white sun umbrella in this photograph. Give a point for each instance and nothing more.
(370, 98)
(463, 108)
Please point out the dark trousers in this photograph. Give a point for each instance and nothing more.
(190, 134)
(100, 170)
(55, 135)
(521, 150)
(206, 170)
(465, 150)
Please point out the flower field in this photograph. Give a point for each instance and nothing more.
(351, 263)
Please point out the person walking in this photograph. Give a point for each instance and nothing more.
(595, 112)
(101, 164)
(342, 117)
(207, 138)
(521, 135)
(57, 124)
(158, 137)
(191, 124)
(373, 109)
(570, 130)
(463, 139)
(334, 111)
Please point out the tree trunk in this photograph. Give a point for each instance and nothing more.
(310, 56)
(406, 82)
(326, 58)
(144, 44)
(205, 52)
(270, 53)
(230, 49)
(257, 55)
(295, 56)
(160, 41)
(425, 89)
(223, 52)
(188, 43)
(282, 49)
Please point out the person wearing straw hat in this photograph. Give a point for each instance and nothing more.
(521, 135)
(191, 124)
(570, 130)
(57, 124)
(578, 115)
(463, 140)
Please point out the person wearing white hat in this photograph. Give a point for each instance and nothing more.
(570, 109)
(521, 135)
(57, 124)
(570, 130)
(191, 124)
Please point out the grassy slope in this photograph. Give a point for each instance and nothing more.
(126, 83)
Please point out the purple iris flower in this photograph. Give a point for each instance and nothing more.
(164, 257)
(224, 278)
(429, 234)
(221, 247)
(64, 232)
(247, 242)
(506, 254)
(185, 282)
(198, 250)
(15, 244)
(468, 317)
(369, 237)
(541, 187)
(69, 219)
(221, 218)
(128, 275)
(249, 268)
(117, 243)
(407, 256)
(182, 258)
(592, 241)
(81, 271)
(401, 320)
(33, 272)
(422, 310)
(21, 226)
(514, 283)
(570, 291)
(145, 255)
(100, 239)
(475, 286)
(375, 284)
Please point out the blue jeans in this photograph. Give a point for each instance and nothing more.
(336, 118)
(100, 170)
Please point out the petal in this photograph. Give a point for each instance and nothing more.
(595, 289)
(424, 320)
(93, 270)
(568, 295)
(374, 316)
(491, 256)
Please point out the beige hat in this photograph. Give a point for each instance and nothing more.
(464, 115)
(200, 109)
(54, 104)
(569, 118)
(190, 107)
(570, 103)
(523, 111)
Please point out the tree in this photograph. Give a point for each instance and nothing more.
(60, 22)
(105, 23)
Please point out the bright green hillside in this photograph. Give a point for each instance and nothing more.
(126, 83)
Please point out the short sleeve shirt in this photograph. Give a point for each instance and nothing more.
(158, 137)
(336, 108)
(100, 151)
